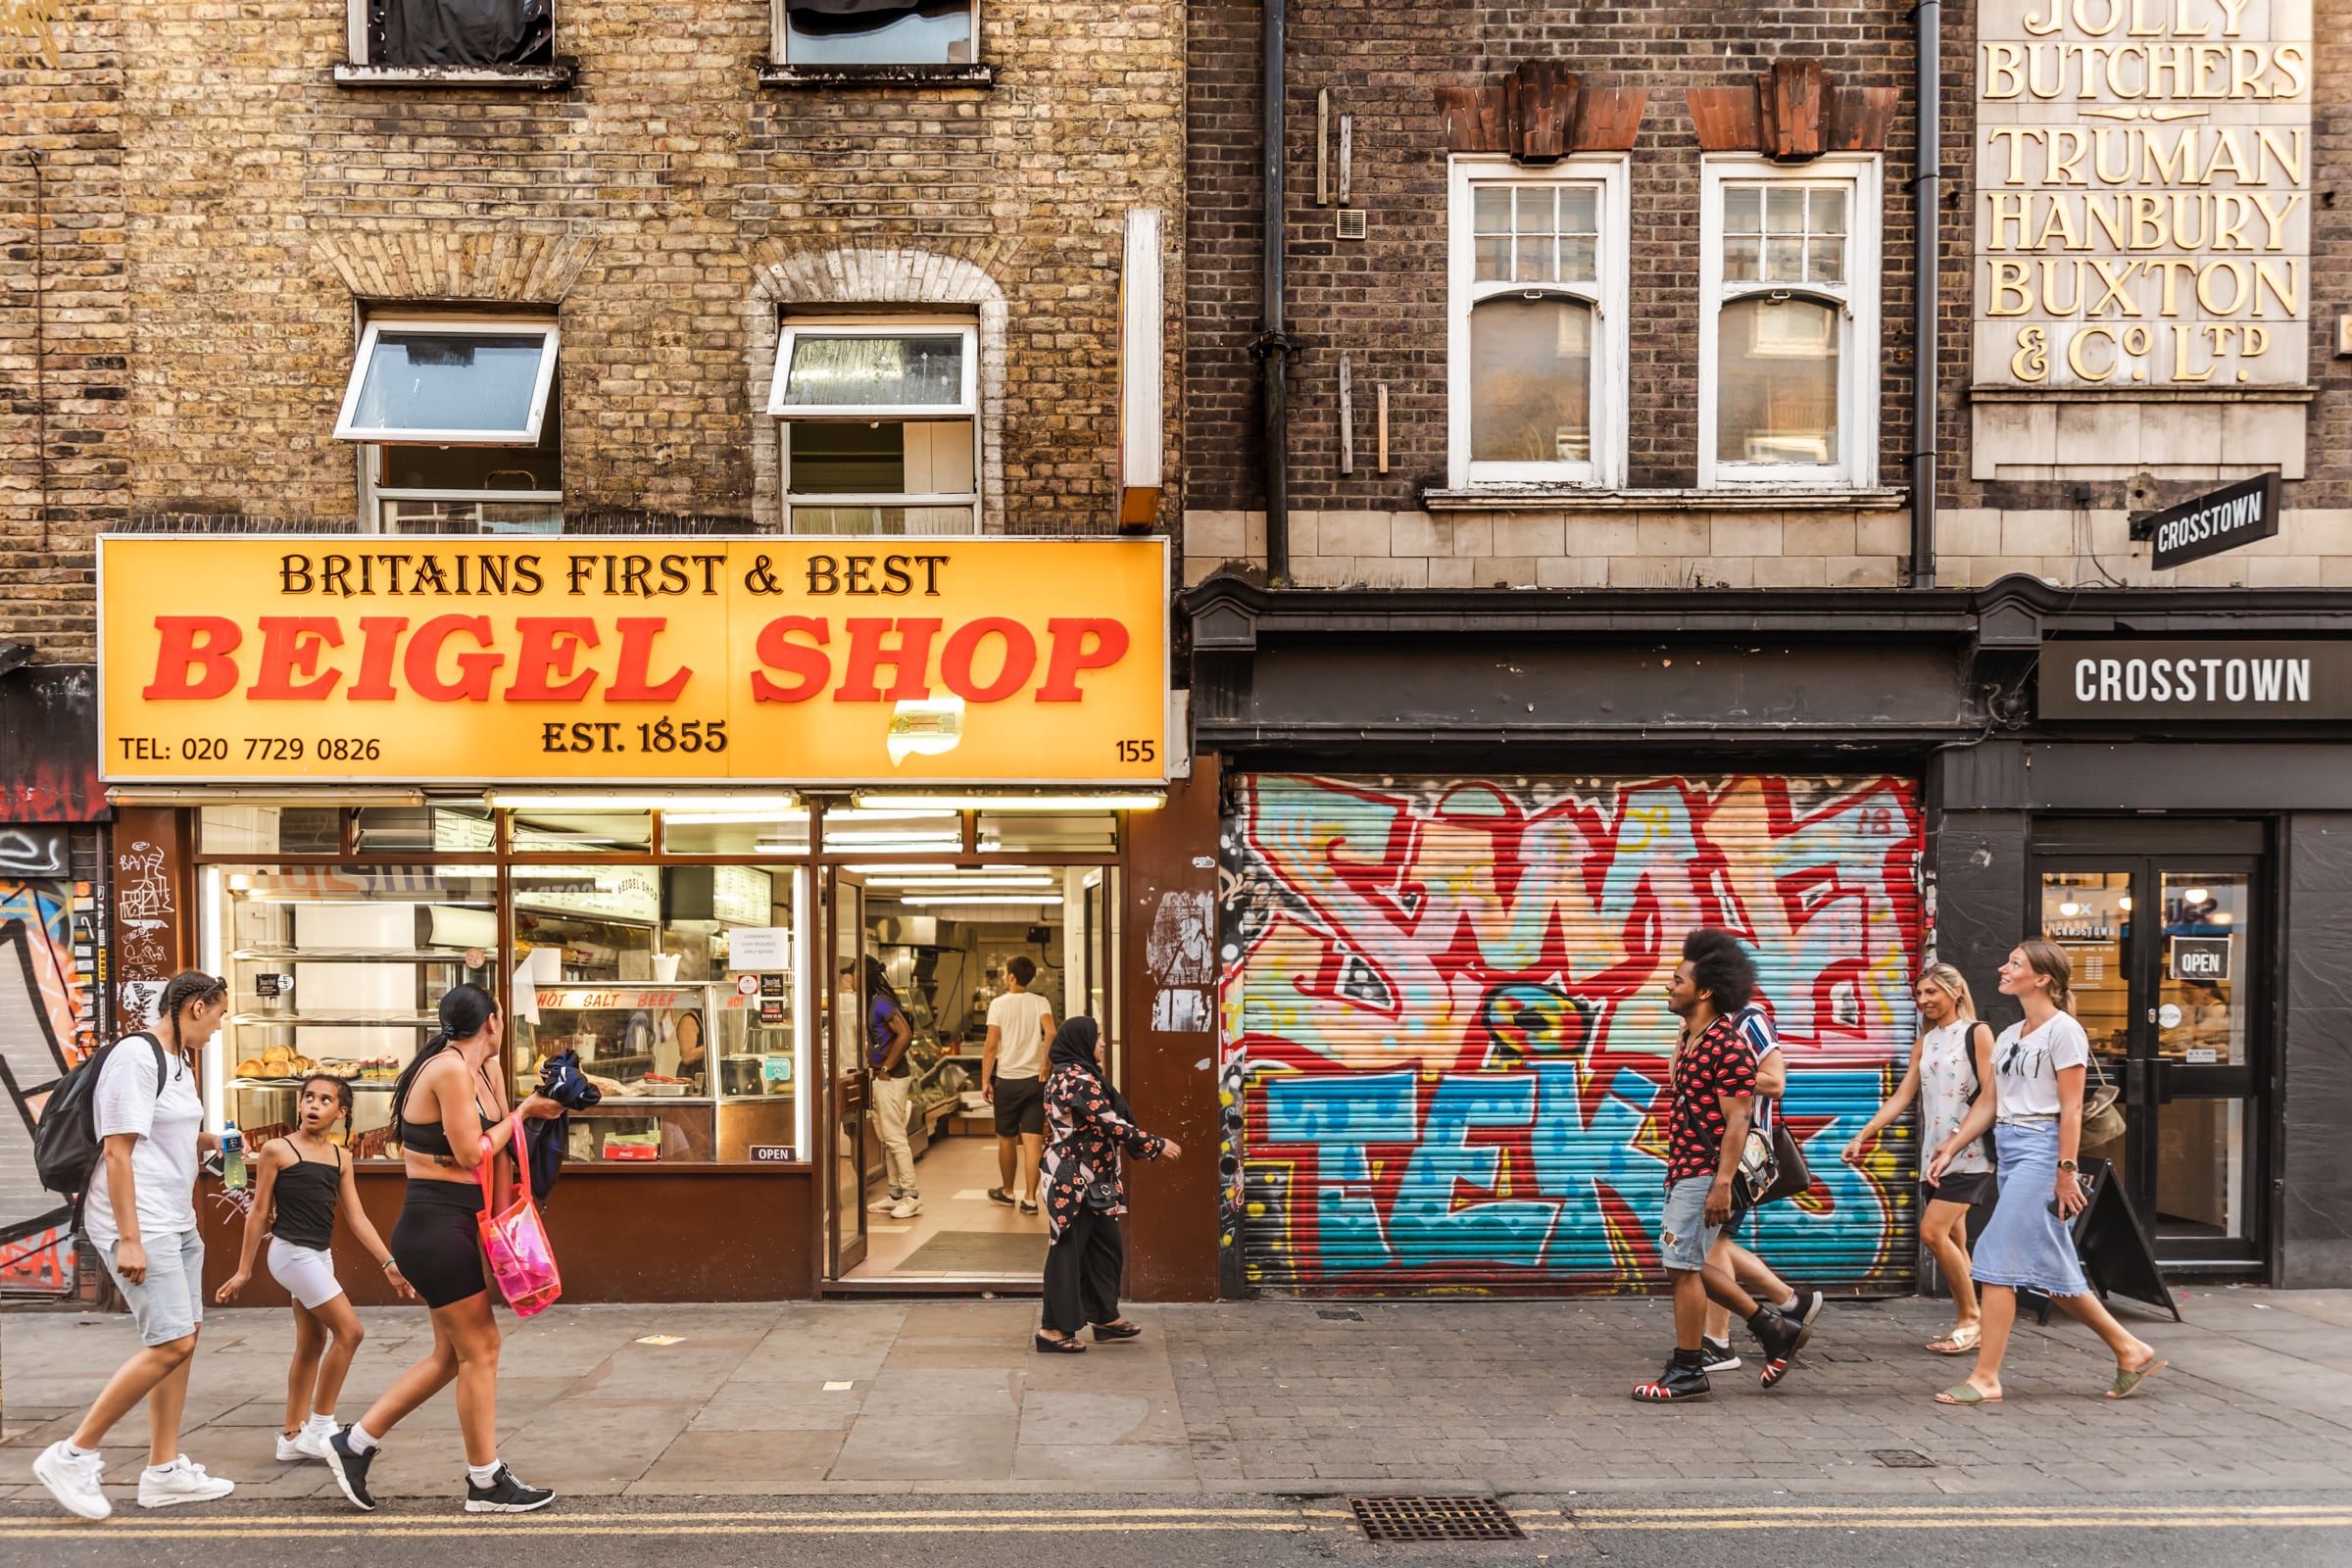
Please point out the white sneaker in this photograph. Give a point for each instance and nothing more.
(885, 1205)
(73, 1480)
(303, 1444)
(181, 1481)
(906, 1208)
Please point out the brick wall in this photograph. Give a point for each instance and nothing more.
(1383, 302)
(271, 204)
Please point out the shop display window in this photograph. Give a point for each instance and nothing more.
(1037, 833)
(270, 830)
(892, 830)
(546, 832)
(735, 832)
(338, 969)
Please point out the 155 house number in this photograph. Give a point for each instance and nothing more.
(1139, 751)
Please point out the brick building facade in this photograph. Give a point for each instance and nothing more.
(202, 211)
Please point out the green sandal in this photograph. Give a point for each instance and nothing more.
(1966, 1393)
(2126, 1383)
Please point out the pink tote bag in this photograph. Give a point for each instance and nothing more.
(521, 1258)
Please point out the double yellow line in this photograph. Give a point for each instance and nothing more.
(1972, 1516)
(700, 1522)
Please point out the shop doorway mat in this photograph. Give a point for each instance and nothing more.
(978, 1252)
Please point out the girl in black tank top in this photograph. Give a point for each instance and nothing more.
(303, 1179)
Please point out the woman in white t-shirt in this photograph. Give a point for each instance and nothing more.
(2037, 1082)
(1950, 1075)
(140, 1213)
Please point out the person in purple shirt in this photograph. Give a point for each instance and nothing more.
(887, 1037)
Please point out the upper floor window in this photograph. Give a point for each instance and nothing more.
(877, 32)
(458, 424)
(879, 424)
(1788, 323)
(1538, 315)
(460, 34)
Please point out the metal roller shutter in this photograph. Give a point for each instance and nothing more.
(1444, 1033)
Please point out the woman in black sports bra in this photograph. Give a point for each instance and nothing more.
(452, 1118)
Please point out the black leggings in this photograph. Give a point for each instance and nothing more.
(438, 1241)
(1083, 1268)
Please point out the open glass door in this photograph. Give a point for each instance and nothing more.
(2166, 986)
(849, 1143)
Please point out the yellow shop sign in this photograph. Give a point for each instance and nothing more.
(384, 658)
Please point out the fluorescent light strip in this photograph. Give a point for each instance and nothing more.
(1015, 803)
(1042, 901)
(696, 800)
(976, 882)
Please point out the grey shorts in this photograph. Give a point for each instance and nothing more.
(1683, 1234)
(168, 1303)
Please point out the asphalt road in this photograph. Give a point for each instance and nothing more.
(1191, 1531)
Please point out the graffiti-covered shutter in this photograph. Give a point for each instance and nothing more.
(1445, 1027)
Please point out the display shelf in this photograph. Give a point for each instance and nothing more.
(632, 1104)
(382, 1086)
(454, 955)
(340, 1020)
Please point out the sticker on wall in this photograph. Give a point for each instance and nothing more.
(1180, 949)
(1180, 1011)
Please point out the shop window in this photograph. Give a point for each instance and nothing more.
(338, 969)
(877, 32)
(423, 829)
(458, 426)
(735, 832)
(1538, 322)
(892, 830)
(1034, 833)
(453, 34)
(1788, 325)
(554, 832)
(879, 426)
(270, 830)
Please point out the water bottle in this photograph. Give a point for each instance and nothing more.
(232, 1157)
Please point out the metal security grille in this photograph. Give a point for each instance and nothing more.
(1446, 1044)
(1435, 1519)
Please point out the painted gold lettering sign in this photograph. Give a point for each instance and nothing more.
(2144, 193)
(633, 661)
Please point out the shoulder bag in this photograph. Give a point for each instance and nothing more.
(1772, 1166)
(2102, 1123)
(521, 1258)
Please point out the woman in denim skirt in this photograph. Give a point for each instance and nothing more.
(2037, 1083)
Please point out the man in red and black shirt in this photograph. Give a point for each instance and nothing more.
(1713, 1092)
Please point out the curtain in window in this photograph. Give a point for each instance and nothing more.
(464, 32)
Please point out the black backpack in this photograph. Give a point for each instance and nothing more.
(65, 1141)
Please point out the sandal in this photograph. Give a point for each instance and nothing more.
(1966, 1393)
(1960, 1341)
(1122, 1329)
(1069, 1347)
(2126, 1383)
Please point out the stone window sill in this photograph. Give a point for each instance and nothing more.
(1725, 497)
(772, 75)
(558, 78)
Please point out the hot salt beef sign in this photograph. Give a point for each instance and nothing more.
(2257, 681)
(613, 661)
(2217, 520)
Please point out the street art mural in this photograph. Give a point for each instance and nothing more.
(47, 948)
(1444, 1031)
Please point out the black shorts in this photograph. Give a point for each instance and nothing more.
(1960, 1187)
(438, 1241)
(1020, 1106)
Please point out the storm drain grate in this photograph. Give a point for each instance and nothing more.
(1343, 1314)
(1902, 1459)
(1434, 1519)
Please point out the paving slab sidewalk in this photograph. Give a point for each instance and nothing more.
(879, 1397)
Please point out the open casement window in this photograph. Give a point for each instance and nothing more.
(457, 425)
(822, 33)
(1537, 308)
(879, 426)
(1788, 323)
(465, 35)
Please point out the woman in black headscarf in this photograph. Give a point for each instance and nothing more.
(1086, 1124)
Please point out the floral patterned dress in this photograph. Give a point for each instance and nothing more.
(1083, 1134)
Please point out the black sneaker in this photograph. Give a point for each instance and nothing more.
(350, 1469)
(1806, 1310)
(1683, 1382)
(998, 1195)
(1719, 1355)
(506, 1494)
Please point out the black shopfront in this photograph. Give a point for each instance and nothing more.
(2192, 852)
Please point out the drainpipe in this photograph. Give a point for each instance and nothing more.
(1272, 347)
(1926, 196)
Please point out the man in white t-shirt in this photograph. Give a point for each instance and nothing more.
(1013, 1075)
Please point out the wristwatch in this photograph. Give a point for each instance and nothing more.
(2067, 1164)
